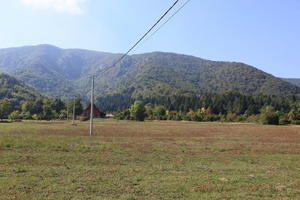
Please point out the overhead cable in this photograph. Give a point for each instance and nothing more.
(157, 22)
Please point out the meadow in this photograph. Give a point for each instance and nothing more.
(149, 160)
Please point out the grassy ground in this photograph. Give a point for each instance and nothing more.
(149, 160)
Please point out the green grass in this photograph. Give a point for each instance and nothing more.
(150, 160)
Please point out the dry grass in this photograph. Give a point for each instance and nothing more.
(149, 160)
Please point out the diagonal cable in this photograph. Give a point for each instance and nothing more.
(169, 19)
(157, 22)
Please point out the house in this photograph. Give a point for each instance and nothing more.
(97, 112)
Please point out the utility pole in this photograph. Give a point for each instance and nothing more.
(73, 112)
(67, 111)
(92, 107)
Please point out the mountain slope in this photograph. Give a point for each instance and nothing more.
(194, 74)
(294, 81)
(66, 72)
(11, 88)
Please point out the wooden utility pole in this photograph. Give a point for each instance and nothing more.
(92, 108)
(73, 112)
(67, 111)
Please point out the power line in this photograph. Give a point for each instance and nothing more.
(124, 55)
(158, 21)
(92, 108)
(167, 20)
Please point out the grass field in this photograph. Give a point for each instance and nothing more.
(149, 160)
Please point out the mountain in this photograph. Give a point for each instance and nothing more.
(295, 81)
(67, 72)
(11, 88)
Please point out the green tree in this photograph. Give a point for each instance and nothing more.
(58, 105)
(5, 108)
(48, 112)
(37, 107)
(62, 115)
(294, 116)
(138, 111)
(78, 107)
(28, 106)
(149, 112)
(269, 116)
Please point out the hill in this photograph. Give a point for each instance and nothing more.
(66, 72)
(14, 90)
(295, 81)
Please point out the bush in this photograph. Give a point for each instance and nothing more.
(294, 115)
(62, 115)
(15, 115)
(232, 117)
(284, 121)
(194, 116)
(254, 118)
(159, 113)
(149, 112)
(174, 115)
(37, 117)
(26, 115)
(125, 115)
(296, 122)
(269, 116)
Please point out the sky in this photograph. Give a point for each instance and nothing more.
(261, 33)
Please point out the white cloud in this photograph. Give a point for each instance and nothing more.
(64, 6)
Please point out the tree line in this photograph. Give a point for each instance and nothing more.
(219, 103)
(228, 106)
(39, 109)
(268, 115)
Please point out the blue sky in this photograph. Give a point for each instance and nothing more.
(262, 33)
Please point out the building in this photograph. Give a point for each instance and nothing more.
(97, 112)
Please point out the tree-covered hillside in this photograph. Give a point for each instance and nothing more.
(14, 90)
(18, 101)
(67, 72)
(295, 81)
(13, 94)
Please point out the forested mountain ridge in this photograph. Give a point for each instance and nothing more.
(67, 72)
(19, 101)
(14, 90)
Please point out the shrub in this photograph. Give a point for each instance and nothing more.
(253, 118)
(149, 112)
(232, 117)
(296, 122)
(269, 116)
(294, 114)
(174, 115)
(37, 117)
(125, 115)
(159, 113)
(15, 115)
(26, 115)
(284, 121)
